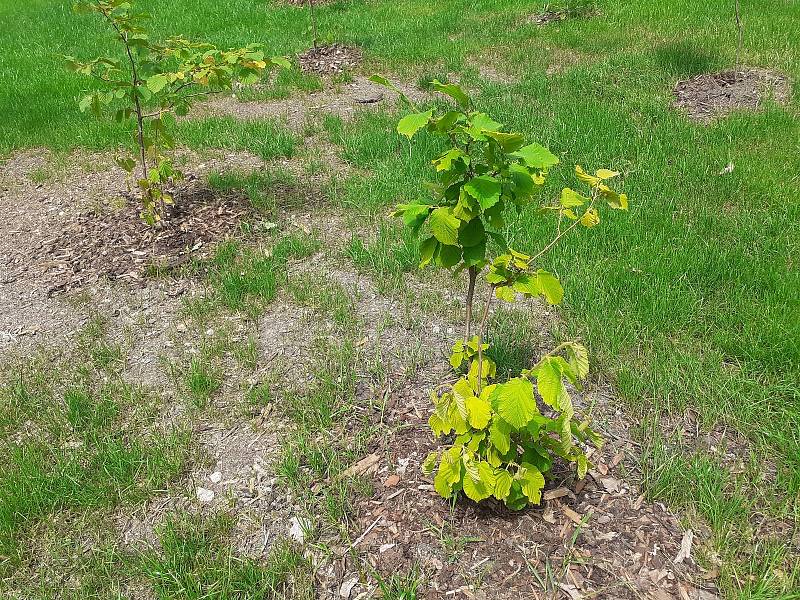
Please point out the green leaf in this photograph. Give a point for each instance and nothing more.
(500, 435)
(578, 358)
(448, 256)
(485, 189)
(446, 160)
(444, 226)
(280, 61)
(514, 402)
(411, 124)
(414, 213)
(472, 233)
(156, 83)
(524, 184)
(452, 90)
(429, 463)
(532, 482)
(479, 412)
(502, 484)
(509, 142)
(550, 286)
(570, 198)
(480, 487)
(475, 255)
(516, 500)
(505, 293)
(537, 156)
(548, 382)
(449, 473)
(426, 251)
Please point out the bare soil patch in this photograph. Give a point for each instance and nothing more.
(547, 17)
(707, 96)
(343, 100)
(331, 59)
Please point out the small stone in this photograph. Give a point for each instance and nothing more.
(215, 477)
(205, 495)
(298, 529)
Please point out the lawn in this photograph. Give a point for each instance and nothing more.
(689, 303)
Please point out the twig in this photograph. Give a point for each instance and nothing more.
(360, 538)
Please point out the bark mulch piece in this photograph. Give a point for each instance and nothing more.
(118, 245)
(710, 95)
(330, 60)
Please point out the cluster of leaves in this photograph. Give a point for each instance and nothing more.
(506, 434)
(155, 81)
(504, 444)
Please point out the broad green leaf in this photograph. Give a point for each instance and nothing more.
(548, 382)
(472, 233)
(156, 83)
(537, 156)
(427, 248)
(514, 402)
(509, 142)
(452, 90)
(475, 255)
(446, 160)
(457, 354)
(438, 425)
(527, 285)
(430, 463)
(590, 218)
(411, 124)
(578, 358)
(448, 256)
(516, 499)
(479, 412)
(485, 189)
(500, 435)
(414, 214)
(506, 293)
(485, 123)
(550, 286)
(570, 198)
(502, 484)
(615, 200)
(523, 181)
(480, 487)
(444, 226)
(532, 482)
(606, 173)
(585, 177)
(281, 62)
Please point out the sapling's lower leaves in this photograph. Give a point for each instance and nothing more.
(154, 81)
(505, 434)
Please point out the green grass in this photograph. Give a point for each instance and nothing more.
(76, 438)
(197, 560)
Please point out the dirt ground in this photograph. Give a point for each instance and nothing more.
(70, 247)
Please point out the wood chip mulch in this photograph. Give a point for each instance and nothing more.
(118, 245)
(710, 95)
(330, 60)
(591, 538)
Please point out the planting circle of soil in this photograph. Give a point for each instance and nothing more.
(117, 244)
(329, 60)
(546, 17)
(710, 95)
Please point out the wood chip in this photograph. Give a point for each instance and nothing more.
(572, 515)
(559, 492)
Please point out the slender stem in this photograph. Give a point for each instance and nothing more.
(473, 275)
(136, 83)
(482, 335)
(739, 34)
(313, 21)
(561, 234)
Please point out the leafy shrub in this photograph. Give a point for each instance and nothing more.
(156, 80)
(505, 435)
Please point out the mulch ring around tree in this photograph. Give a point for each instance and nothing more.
(710, 95)
(591, 538)
(118, 245)
(331, 59)
(546, 17)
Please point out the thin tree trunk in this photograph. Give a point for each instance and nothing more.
(481, 336)
(473, 275)
(739, 36)
(313, 21)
